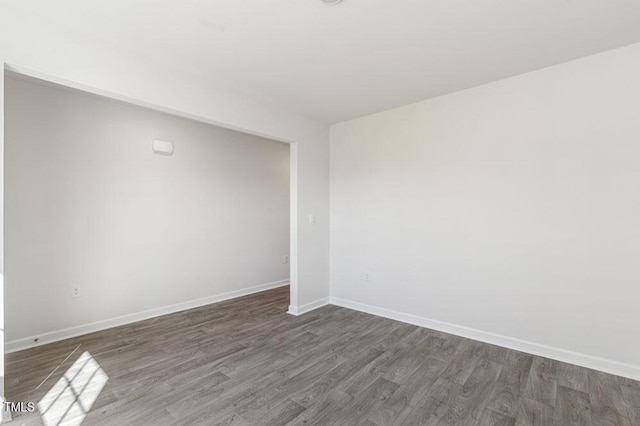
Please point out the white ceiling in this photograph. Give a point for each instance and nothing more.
(334, 63)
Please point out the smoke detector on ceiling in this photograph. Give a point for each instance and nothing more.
(331, 1)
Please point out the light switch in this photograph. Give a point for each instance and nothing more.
(312, 219)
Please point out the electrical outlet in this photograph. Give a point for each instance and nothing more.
(367, 276)
(75, 292)
(286, 259)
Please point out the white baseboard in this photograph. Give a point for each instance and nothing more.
(308, 307)
(588, 361)
(54, 336)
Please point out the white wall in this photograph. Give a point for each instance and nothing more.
(27, 42)
(511, 208)
(89, 205)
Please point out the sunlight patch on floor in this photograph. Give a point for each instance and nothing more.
(71, 398)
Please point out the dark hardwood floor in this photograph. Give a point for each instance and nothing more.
(246, 361)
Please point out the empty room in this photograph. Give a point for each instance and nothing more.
(329, 212)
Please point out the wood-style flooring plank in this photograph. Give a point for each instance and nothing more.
(573, 407)
(510, 384)
(543, 380)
